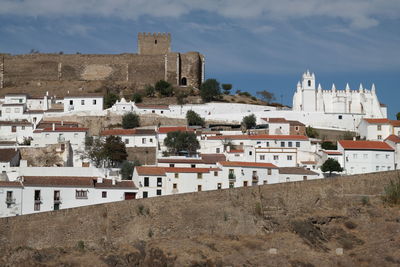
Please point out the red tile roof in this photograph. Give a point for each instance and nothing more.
(236, 151)
(259, 137)
(191, 170)
(333, 152)
(58, 181)
(128, 132)
(309, 162)
(10, 184)
(212, 158)
(143, 106)
(154, 171)
(377, 121)
(247, 164)
(168, 129)
(364, 145)
(62, 129)
(296, 170)
(107, 183)
(147, 170)
(7, 154)
(16, 123)
(275, 120)
(395, 123)
(393, 138)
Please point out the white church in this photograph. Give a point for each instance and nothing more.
(310, 98)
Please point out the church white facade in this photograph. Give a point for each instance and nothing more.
(309, 98)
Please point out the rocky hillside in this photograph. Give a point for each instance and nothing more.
(331, 222)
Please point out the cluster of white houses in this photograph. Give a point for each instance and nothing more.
(278, 152)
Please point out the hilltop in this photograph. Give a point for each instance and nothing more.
(338, 221)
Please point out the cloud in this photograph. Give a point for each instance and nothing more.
(357, 13)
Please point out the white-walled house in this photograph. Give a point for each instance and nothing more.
(33, 194)
(83, 103)
(203, 161)
(16, 130)
(394, 142)
(378, 129)
(9, 158)
(47, 136)
(366, 156)
(295, 174)
(134, 137)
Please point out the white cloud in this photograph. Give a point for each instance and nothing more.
(357, 13)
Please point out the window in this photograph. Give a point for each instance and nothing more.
(176, 175)
(159, 181)
(231, 185)
(287, 179)
(199, 188)
(219, 186)
(162, 111)
(56, 196)
(16, 110)
(250, 153)
(158, 192)
(199, 175)
(297, 128)
(193, 166)
(82, 102)
(267, 144)
(282, 144)
(276, 157)
(340, 117)
(289, 157)
(297, 144)
(151, 140)
(126, 141)
(13, 129)
(377, 168)
(37, 197)
(304, 178)
(231, 171)
(262, 157)
(379, 127)
(290, 144)
(20, 100)
(354, 156)
(94, 101)
(379, 137)
(217, 150)
(365, 156)
(309, 82)
(155, 41)
(174, 186)
(10, 200)
(145, 194)
(215, 173)
(244, 183)
(387, 156)
(184, 81)
(71, 102)
(75, 135)
(153, 111)
(171, 165)
(146, 181)
(23, 128)
(104, 194)
(269, 171)
(81, 194)
(36, 206)
(143, 140)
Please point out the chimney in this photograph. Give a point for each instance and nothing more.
(113, 181)
(354, 138)
(53, 127)
(228, 148)
(99, 180)
(62, 123)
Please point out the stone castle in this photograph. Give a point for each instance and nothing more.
(153, 62)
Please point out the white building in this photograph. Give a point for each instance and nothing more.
(378, 129)
(295, 174)
(16, 130)
(134, 137)
(9, 157)
(83, 103)
(47, 136)
(394, 142)
(310, 98)
(33, 194)
(164, 130)
(366, 156)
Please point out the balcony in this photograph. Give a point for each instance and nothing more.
(232, 177)
(38, 200)
(10, 200)
(57, 200)
(255, 178)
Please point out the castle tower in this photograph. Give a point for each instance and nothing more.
(154, 43)
(308, 91)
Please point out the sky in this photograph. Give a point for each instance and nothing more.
(253, 44)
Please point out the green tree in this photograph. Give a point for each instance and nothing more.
(331, 165)
(311, 132)
(210, 90)
(227, 88)
(194, 119)
(392, 191)
(179, 142)
(164, 88)
(266, 96)
(150, 90)
(249, 121)
(127, 169)
(137, 98)
(328, 145)
(398, 116)
(110, 99)
(130, 120)
(109, 152)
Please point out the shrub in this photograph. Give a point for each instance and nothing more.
(210, 90)
(80, 245)
(245, 94)
(110, 99)
(328, 145)
(249, 121)
(137, 98)
(392, 192)
(164, 88)
(258, 209)
(130, 120)
(311, 132)
(194, 119)
(365, 200)
(150, 90)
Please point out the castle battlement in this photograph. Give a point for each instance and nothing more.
(158, 35)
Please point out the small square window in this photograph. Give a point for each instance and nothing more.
(282, 144)
(276, 157)
(94, 101)
(340, 117)
(174, 186)
(176, 175)
(82, 102)
(199, 188)
(219, 186)
(289, 157)
(159, 181)
(145, 194)
(126, 141)
(146, 181)
(297, 144)
(215, 173)
(262, 157)
(104, 194)
(158, 192)
(199, 175)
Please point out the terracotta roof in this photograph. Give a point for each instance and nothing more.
(128, 132)
(147, 170)
(48, 124)
(7, 154)
(205, 159)
(259, 137)
(84, 95)
(168, 129)
(236, 151)
(212, 158)
(152, 106)
(377, 121)
(296, 170)
(191, 170)
(333, 152)
(275, 120)
(107, 183)
(296, 123)
(62, 129)
(10, 184)
(309, 162)
(8, 142)
(13, 104)
(247, 164)
(364, 145)
(58, 181)
(393, 138)
(395, 123)
(34, 111)
(180, 160)
(16, 123)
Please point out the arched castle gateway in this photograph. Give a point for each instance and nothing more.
(309, 98)
(154, 61)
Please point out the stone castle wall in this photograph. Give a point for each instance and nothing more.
(190, 214)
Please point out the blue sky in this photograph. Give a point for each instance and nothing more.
(253, 44)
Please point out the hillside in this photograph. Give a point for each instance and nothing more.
(330, 222)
